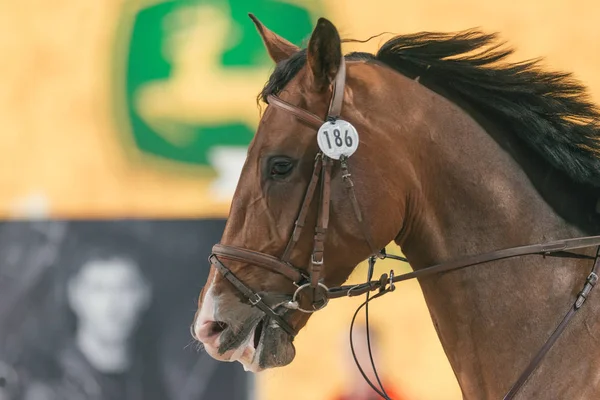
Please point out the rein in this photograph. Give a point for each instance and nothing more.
(319, 294)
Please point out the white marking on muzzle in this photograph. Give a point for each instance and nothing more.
(208, 309)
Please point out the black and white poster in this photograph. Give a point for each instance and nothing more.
(101, 310)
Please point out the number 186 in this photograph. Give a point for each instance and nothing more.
(337, 138)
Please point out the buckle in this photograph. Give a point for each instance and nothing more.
(255, 299)
(592, 278)
(392, 287)
(590, 282)
(315, 262)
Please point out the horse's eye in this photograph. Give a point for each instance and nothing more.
(280, 168)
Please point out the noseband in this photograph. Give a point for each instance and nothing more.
(319, 294)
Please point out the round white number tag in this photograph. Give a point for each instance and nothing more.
(337, 138)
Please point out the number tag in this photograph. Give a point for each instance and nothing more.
(337, 138)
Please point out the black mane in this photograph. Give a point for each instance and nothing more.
(550, 111)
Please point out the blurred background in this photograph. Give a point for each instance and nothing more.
(143, 109)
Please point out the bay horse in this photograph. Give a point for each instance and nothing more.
(457, 155)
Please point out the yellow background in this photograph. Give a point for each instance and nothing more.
(61, 152)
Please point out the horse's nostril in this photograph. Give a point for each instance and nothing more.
(208, 332)
(217, 327)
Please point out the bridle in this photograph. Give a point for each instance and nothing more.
(319, 294)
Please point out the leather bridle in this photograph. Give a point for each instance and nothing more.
(311, 282)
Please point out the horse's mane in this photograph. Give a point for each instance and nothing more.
(550, 111)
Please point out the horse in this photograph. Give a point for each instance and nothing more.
(439, 143)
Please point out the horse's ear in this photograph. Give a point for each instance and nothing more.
(279, 49)
(324, 54)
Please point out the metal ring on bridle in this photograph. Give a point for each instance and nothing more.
(296, 305)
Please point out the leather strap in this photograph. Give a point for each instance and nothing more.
(337, 98)
(304, 208)
(261, 259)
(316, 261)
(335, 104)
(542, 249)
(254, 298)
(590, 282)
(306, 116)
(346, 177)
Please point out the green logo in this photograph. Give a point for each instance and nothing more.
(191, 70)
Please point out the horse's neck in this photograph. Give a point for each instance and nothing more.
(491, 319)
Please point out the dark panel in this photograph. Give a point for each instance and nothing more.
(102, 309)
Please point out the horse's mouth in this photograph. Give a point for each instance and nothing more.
(261, 345)
(273, 346)
(257, 333)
